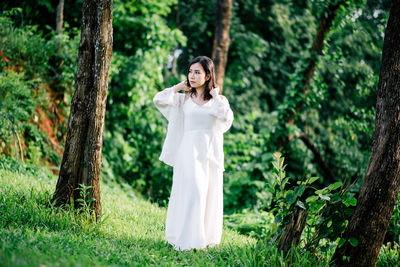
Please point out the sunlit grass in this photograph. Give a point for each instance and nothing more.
(131, 231)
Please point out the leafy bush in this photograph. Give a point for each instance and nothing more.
(328, 209)
(393, 232)
(34, 72)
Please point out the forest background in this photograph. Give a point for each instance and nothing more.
(153, 43)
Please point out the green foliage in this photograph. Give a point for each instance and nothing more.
(393, 232)
(26, 70)
(247, 161)
(389, 255)
(16, 105)
(269, 51)
(16, 111)
(328, 209)
(24, 47)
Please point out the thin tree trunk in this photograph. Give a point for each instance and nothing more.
(378, 194)
(221, 39)
(328, 175)
(325, 23)
(60, 16)
(292, 234)
(81, 162)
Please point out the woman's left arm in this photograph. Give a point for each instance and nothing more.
(222, 110)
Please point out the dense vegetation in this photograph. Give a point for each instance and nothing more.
(153, 43)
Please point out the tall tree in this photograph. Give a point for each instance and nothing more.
(60, 16)
(292, 233)
(81, 163)
(378, 194)
(221, 38)
(325, 23)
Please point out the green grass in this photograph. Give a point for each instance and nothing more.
(131, 233)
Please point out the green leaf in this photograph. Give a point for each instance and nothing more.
(341, 242)
(350, 201)
(312, 180)
(311, 199)
(319, 191)
(290, 197)
(335, 185)
(335, 199)
(285, 181)
(281, 160)
(348, 211)
(278, 219)
(275, 165)
(353, 241)
(271, 189)
(299, 190)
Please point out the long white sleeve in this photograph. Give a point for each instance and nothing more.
(169, 103)
(167, 100)
(221, 109)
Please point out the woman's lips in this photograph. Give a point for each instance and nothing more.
(191, 82)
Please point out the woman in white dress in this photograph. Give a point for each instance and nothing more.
(193, 146)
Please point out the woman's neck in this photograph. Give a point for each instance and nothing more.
(200, 91)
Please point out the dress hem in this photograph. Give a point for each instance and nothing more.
(179, 248)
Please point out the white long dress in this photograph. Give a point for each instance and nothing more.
(194, 147)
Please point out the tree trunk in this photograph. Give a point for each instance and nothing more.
(60, 16)
(289, 114)
(292, 233)
(381, 185)
(221, 39)
(81, 163)
(324, 26)
(328, 175)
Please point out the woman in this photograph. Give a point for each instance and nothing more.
(194, 148)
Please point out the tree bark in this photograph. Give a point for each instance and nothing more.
(60, 16)
(292, 233)
(81, 163)
(381, 185)
(221, 39)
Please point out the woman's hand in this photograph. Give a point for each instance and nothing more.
(214, 92)
(182, 86)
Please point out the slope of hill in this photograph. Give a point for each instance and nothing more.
(131, 232)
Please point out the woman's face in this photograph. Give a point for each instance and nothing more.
(197, 76)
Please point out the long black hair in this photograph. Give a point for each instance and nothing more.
(208, 66)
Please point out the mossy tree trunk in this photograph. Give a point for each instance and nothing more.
(378, 194)
(81, 163)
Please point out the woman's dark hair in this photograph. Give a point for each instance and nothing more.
(208, 66)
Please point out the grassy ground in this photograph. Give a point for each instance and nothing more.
(132, 233)
(32, 233)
